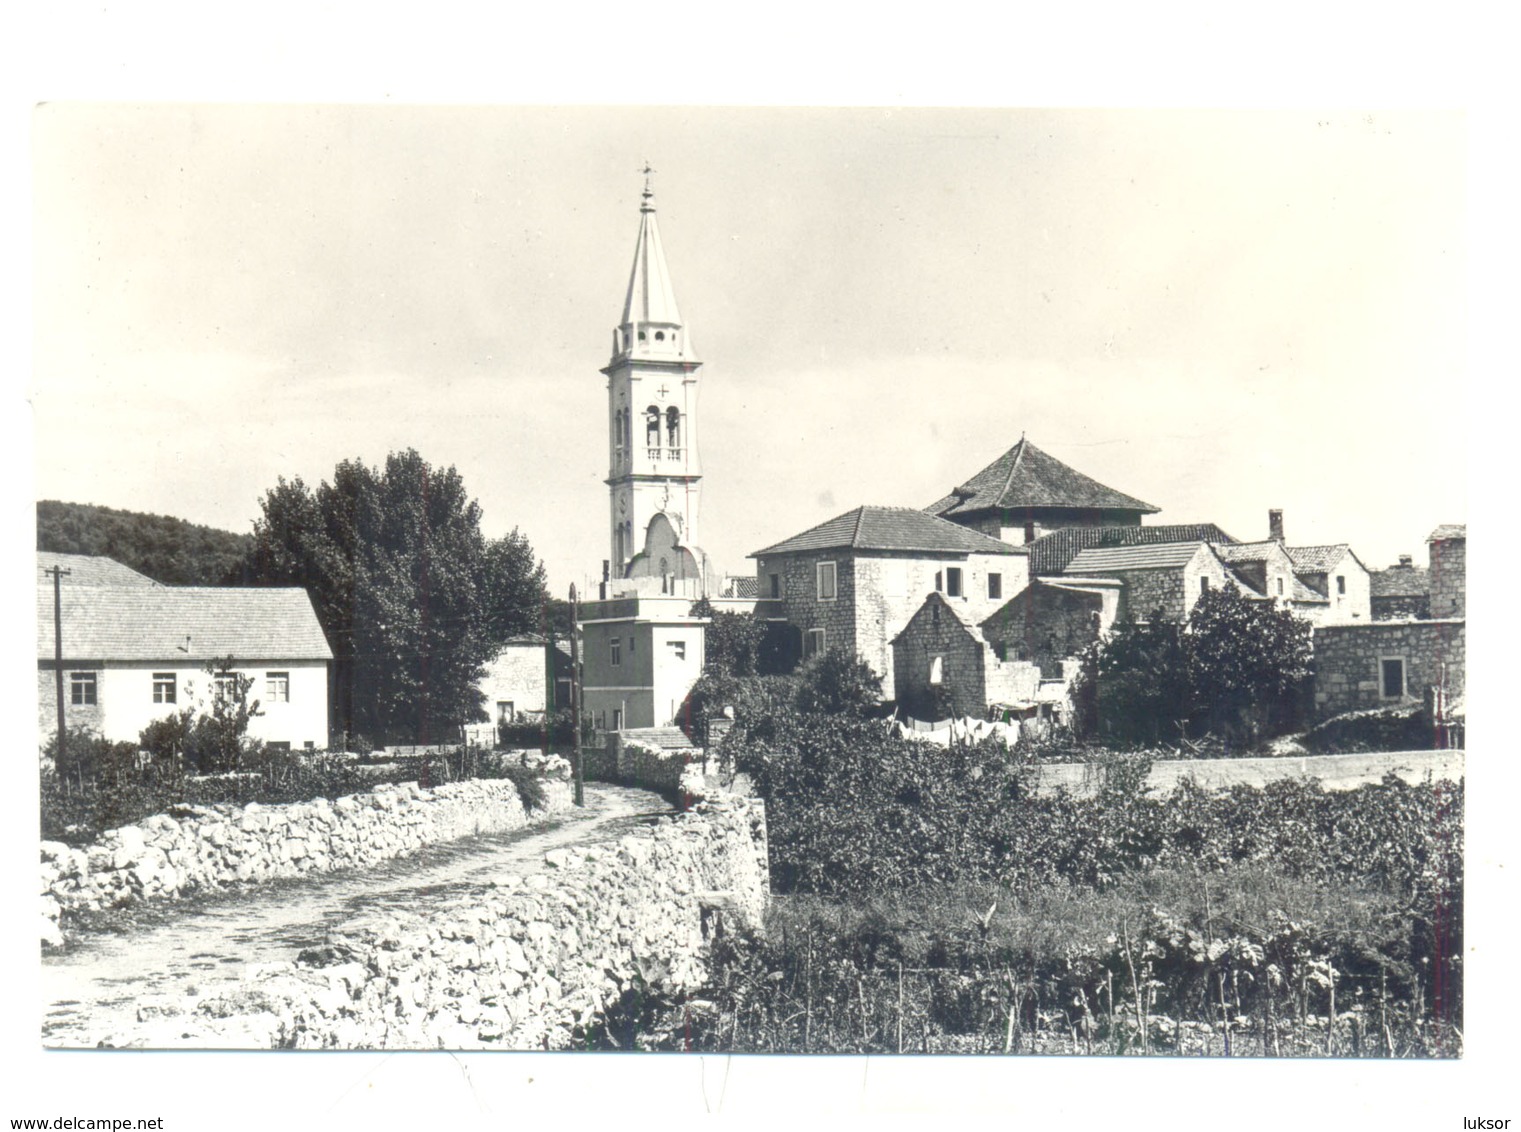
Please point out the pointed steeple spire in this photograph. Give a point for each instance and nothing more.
(651, 325)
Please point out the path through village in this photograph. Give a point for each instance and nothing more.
(93, 990)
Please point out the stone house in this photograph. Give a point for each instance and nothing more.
(939, 653)
(1337, 577)
(1387, 664)
(855, 581)
(1448, 550)
(1266, 570)
(1025, 493)
(1400, 593)
(133, 653)
(521, 684)
(1053, 619)
(1164, 579)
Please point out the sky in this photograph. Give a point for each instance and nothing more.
(1216, 311)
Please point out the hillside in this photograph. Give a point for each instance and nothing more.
(168, 550)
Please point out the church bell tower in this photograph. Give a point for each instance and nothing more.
(651, 405)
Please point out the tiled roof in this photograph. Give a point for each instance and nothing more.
(743, 585)
(89, 570)
(1050, 553)
(1315, 559)
(527, 639)
(1400, 581)
(1302, 592)
(900, 529)
(954, 614)
(1246, 551)
(180, 623)
(1449, 531)
(1118, 559)
(1024, 476)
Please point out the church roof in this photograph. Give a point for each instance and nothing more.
(1050, 553)
(651, 298)
(1024, 476)
(901, 529)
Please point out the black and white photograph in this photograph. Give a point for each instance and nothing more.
(934, 590)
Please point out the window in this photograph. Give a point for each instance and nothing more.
(1341, 584)
(673, 427)
(1392, 678)
(813, 643)
(1280, 587)
(937, 670)
(1204, 585)
(826, 581)
(776, 585)
(277, 687)
(995, 586)
(81, 688)
(652, 426)
(163, 687)
(632, 641)
(224, 685)
(617, 719)
(617, 647)
(504, 711)
(939, 582)
(953, 581)
(678, 649)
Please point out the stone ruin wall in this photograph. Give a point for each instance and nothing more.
(205, 848)
(529, 963)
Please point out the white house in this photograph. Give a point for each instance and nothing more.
(133, 653)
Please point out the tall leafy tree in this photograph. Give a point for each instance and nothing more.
(413, 597)
(1247, 662)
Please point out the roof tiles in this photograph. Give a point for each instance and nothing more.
(899, 529)
(1024, 476)
(181, 623)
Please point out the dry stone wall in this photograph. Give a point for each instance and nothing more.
(528, 963)
(200, 848)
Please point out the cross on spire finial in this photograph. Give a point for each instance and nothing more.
(648, 193)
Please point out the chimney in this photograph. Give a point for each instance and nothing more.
(1275, 525)
(1407, 562)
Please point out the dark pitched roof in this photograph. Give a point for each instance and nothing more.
(901, 529)
(1050, 553)
(1024, 476)
(181, 623)
(89, 570)
(1400, 581)
(1449, 531)
(1118, 559)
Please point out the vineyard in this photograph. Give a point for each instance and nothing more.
(937, 904)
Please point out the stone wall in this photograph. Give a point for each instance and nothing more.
(1348, 663)
(202, 848)
(1335, 772)
(529, 963)
(1449, 577)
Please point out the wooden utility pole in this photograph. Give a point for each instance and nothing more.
(58, 572)
(575, 694)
